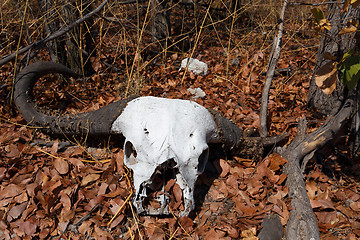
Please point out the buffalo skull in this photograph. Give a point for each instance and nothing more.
(161, 135)
(165, 134)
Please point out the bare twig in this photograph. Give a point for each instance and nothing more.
(132, 1)
(3, 86)
(311, 4)
(53, 36)
(120, 21)
(74, 227)
(274, 57)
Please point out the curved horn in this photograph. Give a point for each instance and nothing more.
(92, 123)
(233, 137)
(229, 134)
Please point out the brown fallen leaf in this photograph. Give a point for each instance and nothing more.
(326, 218)
(16, 211)
(355, 206)
(116, 205)
(187, 223)
(85, 227)
(225, 168)
(312, 189)
(345, 210)
(61, 165)
(214, 235)
(153, 230)
(27, 227)
(101, 234)
(249, 233)
(276, 161)
(55, 147)
(21, 198)
(66, 215)
(3, 172)
(231, 231)
(169, 185)
(326, 77)
(89, 178)
(65, 201)
(177, 193)
(322, 203)
(10, 191)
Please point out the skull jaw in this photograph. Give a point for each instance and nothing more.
(164, 201)
(138, 202)
(141, 197)
(164, 210)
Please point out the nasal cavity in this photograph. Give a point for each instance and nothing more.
(130, 152)
(203, 160)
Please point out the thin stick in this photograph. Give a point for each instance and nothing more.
(74, 227)
(120, 209)
(311, 4)
(274, 57)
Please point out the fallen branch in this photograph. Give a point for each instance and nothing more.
(274, 57)
(53, 36)
(302, 223)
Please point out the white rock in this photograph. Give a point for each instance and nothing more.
(194, 66)
(197, 92)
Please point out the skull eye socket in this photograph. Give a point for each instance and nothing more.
(130, 152)
(203, 160)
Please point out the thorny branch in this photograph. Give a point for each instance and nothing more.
(53, 36)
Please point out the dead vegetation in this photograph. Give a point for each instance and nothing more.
(77, 192)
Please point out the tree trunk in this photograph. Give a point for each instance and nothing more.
(340, 105)
(75, 49)
(160, 21)
(336, 45)
(56, 47)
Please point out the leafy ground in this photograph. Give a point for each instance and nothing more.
(82, 192)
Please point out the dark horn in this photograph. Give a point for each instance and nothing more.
(97, 122)
(229, 134)
(233, 137)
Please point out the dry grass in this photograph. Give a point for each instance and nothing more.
(124, 42)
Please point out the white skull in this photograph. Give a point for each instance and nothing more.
(165, 135)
